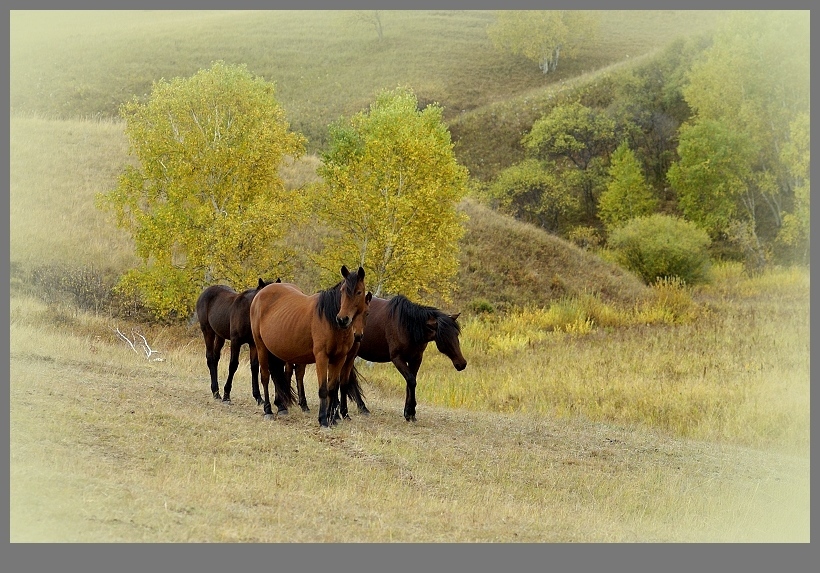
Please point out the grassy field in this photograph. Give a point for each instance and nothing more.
(593, 408)
(541, 447)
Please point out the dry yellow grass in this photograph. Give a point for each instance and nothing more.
(135, 450)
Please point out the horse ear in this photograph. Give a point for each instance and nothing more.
(345, 272)
(278, 280)
(361, 273)
(261, 283)
(455, 316)
(368, 297)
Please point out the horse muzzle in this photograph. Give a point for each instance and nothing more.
(357, 336)
(344, 321)
(460, 365)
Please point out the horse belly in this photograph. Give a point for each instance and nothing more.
(374, 350)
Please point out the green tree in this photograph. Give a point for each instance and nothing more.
(649, 103)
(627, 194)
(206, 203)
(755, 78)
(579, 139)
(531, 192)
(543, 35)
(391, 188)
(796, 157)
(712, 176)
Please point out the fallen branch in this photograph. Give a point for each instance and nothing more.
(147, 350)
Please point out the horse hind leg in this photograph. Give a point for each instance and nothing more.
(213, 348)
(255, 375)
(354, 390)
(264, 378)
(300, 386)
(232, 366)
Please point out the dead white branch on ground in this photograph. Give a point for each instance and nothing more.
(146, 349)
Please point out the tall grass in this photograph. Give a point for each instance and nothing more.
(732, 371)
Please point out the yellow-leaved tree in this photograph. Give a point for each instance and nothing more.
(391, 186)
(542, 36)
(206, 203)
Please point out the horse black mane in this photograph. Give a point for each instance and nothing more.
(330, 300)
(413, 317)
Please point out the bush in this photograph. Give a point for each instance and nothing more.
(660, 246)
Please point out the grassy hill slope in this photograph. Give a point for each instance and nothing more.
(509, 263)
(324, 63)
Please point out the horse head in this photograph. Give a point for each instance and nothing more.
(361, 319)
(447, 333)
(354, 298)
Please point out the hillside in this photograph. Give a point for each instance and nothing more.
(510, 263)
(324, 63)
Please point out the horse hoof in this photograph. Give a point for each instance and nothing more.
(346, 417)
(226, 401)
(364, 411)
(410, 418)
(305, 409)
(283, 412)
(217, 396)
(269, 417)
(259, 401)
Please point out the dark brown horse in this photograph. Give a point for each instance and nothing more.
(398, 331)
(224, 315)
(290, 327)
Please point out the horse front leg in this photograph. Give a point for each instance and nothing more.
(324, 402)
(333, 381)
(408, 371)
(344, 381)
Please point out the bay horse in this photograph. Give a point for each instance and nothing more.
(398, 331)
(224, 314)
(290, 327)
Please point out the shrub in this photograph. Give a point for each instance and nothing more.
(660, 246)
(481, 306)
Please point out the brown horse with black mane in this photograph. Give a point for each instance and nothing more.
(224, 314)
(398, 331)
(289, 326)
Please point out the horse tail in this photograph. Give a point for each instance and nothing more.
(353, 387)
(284, 388)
